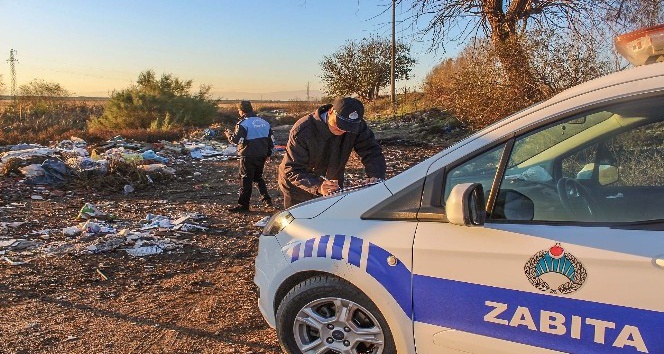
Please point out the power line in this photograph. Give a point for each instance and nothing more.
(393, 96)
(12, 66)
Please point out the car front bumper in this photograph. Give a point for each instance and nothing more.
(269, 262)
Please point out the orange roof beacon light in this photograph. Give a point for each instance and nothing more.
(643, 46)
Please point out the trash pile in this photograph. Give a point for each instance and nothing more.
(134, 164)
(97, 232)
(30, 174)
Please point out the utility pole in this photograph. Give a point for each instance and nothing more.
(393, 97)
(11, 62)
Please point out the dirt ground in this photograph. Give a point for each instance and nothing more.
(196, 299)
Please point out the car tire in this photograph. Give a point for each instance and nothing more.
(326, 314)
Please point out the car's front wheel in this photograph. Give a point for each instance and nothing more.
(328, 315)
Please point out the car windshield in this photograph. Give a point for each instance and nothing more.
(542, 140)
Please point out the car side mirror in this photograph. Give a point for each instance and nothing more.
(512, 205)
(465, 205)
(608, 174)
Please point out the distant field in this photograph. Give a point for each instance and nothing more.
(259, 105)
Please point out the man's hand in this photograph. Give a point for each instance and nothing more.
(329, 186)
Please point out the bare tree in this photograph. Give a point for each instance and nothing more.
(475, 88)
(506, 22)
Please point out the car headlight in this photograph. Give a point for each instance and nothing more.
(277, 223)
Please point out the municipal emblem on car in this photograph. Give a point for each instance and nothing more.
(353, 116)
(555, 271)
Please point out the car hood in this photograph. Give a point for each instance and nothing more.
(312, 208)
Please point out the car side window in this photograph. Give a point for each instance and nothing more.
(639, 156)
(480, 169)
(605, 166)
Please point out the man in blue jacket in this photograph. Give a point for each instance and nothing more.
(255, 143)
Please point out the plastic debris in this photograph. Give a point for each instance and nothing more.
(89, 211)
(13, 263)
(151, 155)
(27, 153)
(91, 227)
(157, 167)
(144, 251)
(8, 243)
(128, 188)
(72, 231)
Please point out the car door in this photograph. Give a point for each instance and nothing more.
(553, 269)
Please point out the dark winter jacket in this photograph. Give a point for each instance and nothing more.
(253, 137)
(313, 152)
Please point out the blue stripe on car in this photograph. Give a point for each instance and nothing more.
(338, 246)
(463, 306)
(355, 251)
(459, 305)
(396, 279)
(309, 248)
(295, 253)
(322, 246)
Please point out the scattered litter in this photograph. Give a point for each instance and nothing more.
(8, 243)
(27, 154)
(72, 231)
(22, 245)
(13, 263)
(151, 155)
(128, 188)
(157, 167)
(13, 224)
(189, 227)
(144, 251)
(101, 275)
(89, 211)
(91, 227)
(38, 173)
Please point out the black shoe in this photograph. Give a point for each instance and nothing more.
(267, 202)
(239, 209)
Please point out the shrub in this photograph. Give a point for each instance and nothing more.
(22, 123)
(157, 105)
(475, 88)
(42, 96)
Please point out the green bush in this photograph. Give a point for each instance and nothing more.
(157, 105)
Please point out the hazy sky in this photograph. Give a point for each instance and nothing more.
(91, 47)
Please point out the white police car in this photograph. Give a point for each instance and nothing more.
(543, 233)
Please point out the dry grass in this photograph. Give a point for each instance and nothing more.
(23, 122)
